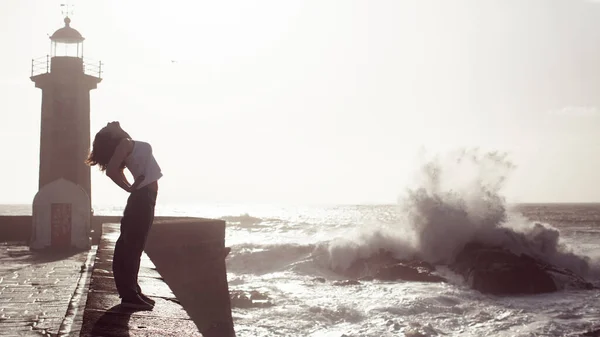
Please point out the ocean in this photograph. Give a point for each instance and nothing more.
(284, 257)
(281, 251)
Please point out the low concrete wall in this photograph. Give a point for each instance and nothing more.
(18, 227)
(15, 228)
(189, 253)
(98, 220)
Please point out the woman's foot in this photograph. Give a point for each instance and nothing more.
(136, 303)
(147, 299)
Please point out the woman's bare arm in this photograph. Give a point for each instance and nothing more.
(114, 169)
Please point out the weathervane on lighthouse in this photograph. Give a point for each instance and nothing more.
(67, 9)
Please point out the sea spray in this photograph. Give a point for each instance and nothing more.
(456, 200)
(364, 242)
(539, 240)
(457, 197)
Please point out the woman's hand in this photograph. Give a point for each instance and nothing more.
(137, 183)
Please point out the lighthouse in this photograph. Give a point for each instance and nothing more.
(62, 206)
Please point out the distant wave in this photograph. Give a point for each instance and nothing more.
(246, 221)
(457, 199)
(243, 219)
(15, 209)
(269, 258)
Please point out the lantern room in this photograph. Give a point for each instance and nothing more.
(67, 42)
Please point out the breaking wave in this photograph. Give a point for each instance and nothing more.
(267, 258)
(457, 199)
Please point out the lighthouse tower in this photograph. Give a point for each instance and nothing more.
(66, 82)
(62, 206)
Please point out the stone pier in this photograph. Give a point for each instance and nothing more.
(183, 270)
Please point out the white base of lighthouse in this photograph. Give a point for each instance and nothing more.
(61, 217)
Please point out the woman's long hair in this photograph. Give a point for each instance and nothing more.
(104, 146)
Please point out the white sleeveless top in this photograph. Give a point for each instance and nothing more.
(141, 162)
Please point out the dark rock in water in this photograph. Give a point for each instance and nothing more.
(592, 333)
(255, 295)
(319, 279)
(240, 300)
(254, 299)
(346, 283)
(565, 278)
(406, 272)
(385, 267)
(490, 270)
(497, 271)
(365, 268)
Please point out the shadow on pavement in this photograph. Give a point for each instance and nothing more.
(20, 252)
(114, 322)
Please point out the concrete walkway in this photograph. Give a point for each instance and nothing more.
(41, 293)
(103, 315)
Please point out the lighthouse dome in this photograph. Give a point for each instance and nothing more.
(67, 34)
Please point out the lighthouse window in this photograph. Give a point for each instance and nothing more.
(66, 49)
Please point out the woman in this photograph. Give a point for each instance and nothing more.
(113, 150)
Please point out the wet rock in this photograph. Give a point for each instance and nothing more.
(565, 278)
(319, 279)
(497, 271)
(240, 300)
(490, 270)
(346, 283)
(385, 267)
(252, 299)
(363, 268)
(592, 333)
(415, 271)
(255, 295)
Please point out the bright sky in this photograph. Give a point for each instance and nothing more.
(320, 101)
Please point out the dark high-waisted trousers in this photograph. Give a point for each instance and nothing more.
(135, 225)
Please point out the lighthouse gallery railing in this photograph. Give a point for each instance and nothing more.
(42, 65)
